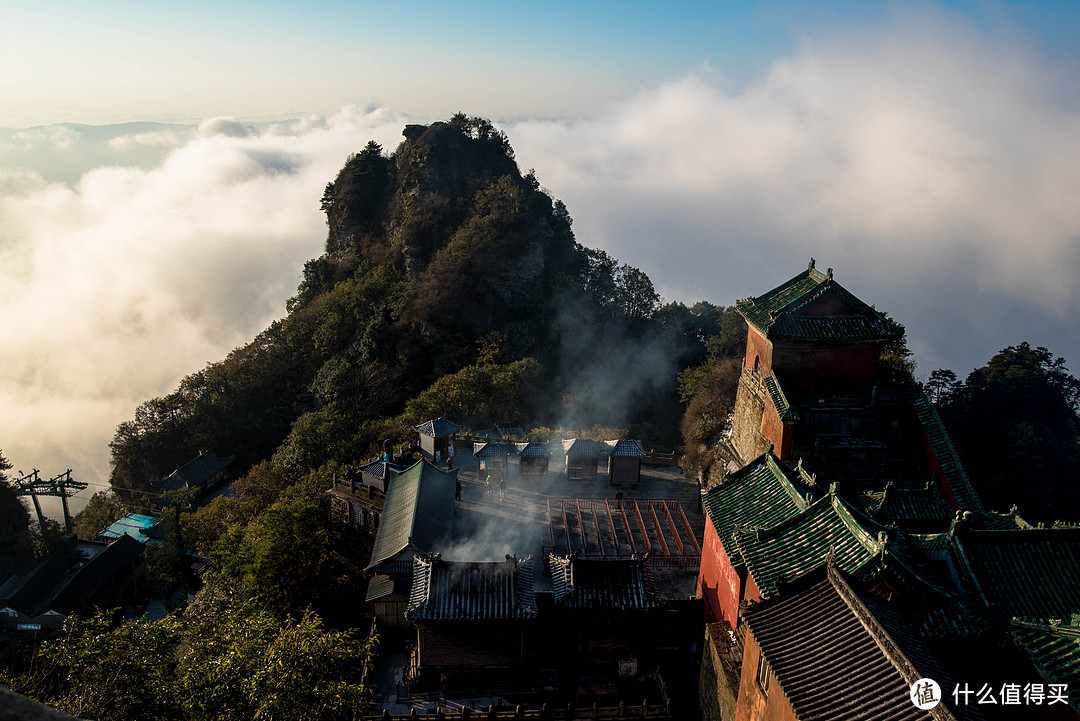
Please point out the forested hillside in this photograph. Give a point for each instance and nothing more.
(1016, 424)
(440, 256)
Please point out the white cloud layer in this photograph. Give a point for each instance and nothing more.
(936, 169)
(118, 286)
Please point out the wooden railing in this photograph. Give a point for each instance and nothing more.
(655, 458)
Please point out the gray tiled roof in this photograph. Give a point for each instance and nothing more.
(840, 655)
(467, 591)
(532, 450)
(625, 448)
(29, 593)
(98, 581)
(379, 469)
(608, 585)
(437, 428)
(490, 449)
(417, 511)
(50, 585)
(582, 448)
(382, 586)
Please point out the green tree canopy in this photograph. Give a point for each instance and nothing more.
(1015, 424)
(220, 661)
(14, 518)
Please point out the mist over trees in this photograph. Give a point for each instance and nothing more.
(440, 257)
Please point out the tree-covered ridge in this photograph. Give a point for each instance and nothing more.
(429, 249)
(439, 256)
(1016, 425)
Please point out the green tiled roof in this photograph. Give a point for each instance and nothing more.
(783, 407)
(803, 542)
(760, 311)
(1029, 574)
(947, 457)
(952, 619)
(417, 511)
(928, 541)
(777, 313)
(994, 521)
(1055, 650)
(761, 494)
(900, 505)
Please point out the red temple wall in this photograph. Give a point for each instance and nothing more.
(719, 584)
(752, 704)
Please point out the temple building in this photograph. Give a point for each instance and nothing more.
(624, 462)
(436, 439)
(582, 458)
(812, 351)
(837, 461)
(470, 615)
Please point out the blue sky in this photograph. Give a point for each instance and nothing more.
(929, 152)
(123, 61)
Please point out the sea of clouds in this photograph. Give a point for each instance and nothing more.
(936, 170)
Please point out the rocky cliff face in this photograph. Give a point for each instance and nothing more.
(450, 209)
(414, 200)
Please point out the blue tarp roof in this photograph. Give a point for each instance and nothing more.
(132, 525)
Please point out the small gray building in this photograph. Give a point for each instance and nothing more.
(533, 459)
(582, 458)
(624, 462)
(377, 474)
(436, 437)
(494, 459)
(389, 599)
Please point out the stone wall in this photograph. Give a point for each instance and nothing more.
(746, 422)
(718, 685)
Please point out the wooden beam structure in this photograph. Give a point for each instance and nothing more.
(614, 528)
